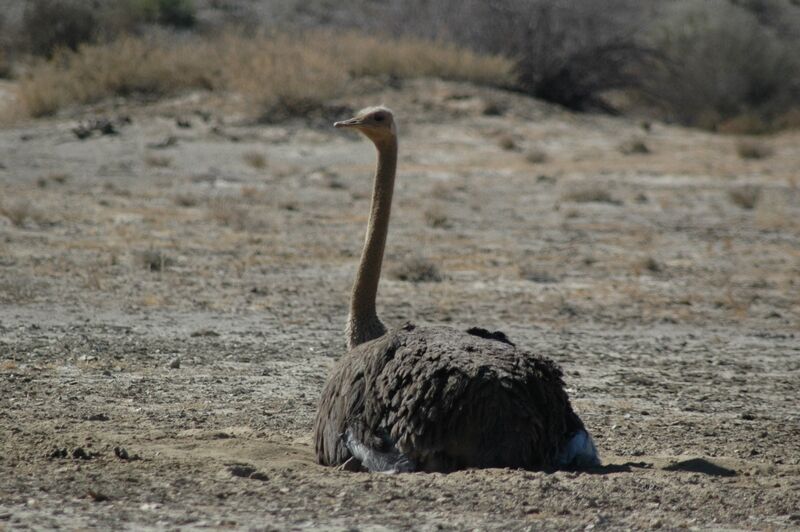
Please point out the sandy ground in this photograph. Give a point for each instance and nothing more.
(172, 298)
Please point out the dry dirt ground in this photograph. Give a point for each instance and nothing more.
(172, 298)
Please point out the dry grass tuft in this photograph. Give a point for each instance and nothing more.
(648, 264)
(127, 66)
(436, 217)
(279, 75)
(536, 275)
(185, 199)
(158, 161)
(651, 264)
(746, 196)
(228, 212)
(507, 143)
(634, 147)
(750, 149)
(155, 260)
(252, 194)
(416, 270)
(773, 211)
(446, 191)
(57, 178)
(536, 156)
(255, 159)
(21, 211)
(590, 194)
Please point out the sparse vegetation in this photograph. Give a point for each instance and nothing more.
(634, 147)
(535, 275)
(566, 52)
(723, 65)
(228, 212)
(753, 150)
(49, 25)
(56, 178)
(652, 265)
(155, 260)
(6, 67)
(507, 143)
(157, 161)
(185, 199)
(437, 218)
(280, 75)
(590, 194)
(416, 270)
(177, 13)
(21, 211)
(727, 65)
(720, 64)
(745, 196)
(255, 159)
(536, 156)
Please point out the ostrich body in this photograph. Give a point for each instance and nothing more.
(435, 398)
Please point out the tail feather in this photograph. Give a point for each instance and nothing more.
(579, 451)
(392, 461)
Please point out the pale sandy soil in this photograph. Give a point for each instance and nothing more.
(229, 252)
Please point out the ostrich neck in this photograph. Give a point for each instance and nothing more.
(363, 324)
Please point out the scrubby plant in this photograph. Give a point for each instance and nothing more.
(753, 150)
(279, 75)
(721, 64)
(52, 24)
(154, 260)
(568, 52)
(255, 159)
(536, 156)
(177, 13)
(745, 196)
(416, 270)
(590, 194)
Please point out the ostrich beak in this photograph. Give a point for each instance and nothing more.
(348, 123)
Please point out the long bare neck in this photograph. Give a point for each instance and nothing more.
(363, 324)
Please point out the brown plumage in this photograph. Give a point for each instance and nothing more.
(436, 398)
(447, 400)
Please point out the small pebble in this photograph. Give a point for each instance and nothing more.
(175, 363)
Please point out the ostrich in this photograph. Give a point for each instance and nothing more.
(435, 398)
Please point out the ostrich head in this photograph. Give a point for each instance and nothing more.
(377, 123)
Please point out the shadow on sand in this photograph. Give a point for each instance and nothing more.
(692, 465)
(701, 465)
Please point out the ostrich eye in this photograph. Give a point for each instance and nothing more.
(379, 118)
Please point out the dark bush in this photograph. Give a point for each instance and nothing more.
(52, 24)
(718, 64)
(178, 13)
(568, 52)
